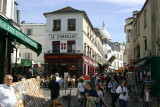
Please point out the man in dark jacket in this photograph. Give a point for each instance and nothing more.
(54, 86)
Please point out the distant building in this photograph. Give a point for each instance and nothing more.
(37, 32)
(72, 44)
(112, 51)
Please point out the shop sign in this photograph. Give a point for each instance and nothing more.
(61, 56)
(35, 65)
(62, 36)
(4, 25)
(90, 62)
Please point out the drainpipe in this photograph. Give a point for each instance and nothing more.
(156, 27)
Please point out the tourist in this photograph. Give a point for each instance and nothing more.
(74, 82)
(91, 95)
(113, 86)
(102, 77)
(102, 88)
(101, 98)
(54, 86)
(62, 84)
(149, 82)
(92, 79)
(146, 97)
(29, 73)
(81, 88)
(56, 103)
(58, 79)
(7, 95)
(69, 81)
(107, 79)
(123, 94)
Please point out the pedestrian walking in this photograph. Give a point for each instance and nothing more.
(58, 79)
(146, 97)
(69, 81)
(54, 86)
(7, 95)
(81, 88)
(29, 73)
(123, 94)
(107, 79)
(92, 80)
(102, 88)
(113, 86)
(91, 95)
(101, 98)
(102, 77)
(149, 82)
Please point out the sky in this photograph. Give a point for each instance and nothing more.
(113, 12)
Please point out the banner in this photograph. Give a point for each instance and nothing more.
(28, 93)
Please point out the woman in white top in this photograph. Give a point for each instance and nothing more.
(100, 94)
(81, 89)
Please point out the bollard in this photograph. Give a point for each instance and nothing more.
(69, 100)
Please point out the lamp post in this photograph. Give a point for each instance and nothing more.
(16, 45)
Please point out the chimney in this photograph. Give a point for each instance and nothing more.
(135, 13)
(23, 22)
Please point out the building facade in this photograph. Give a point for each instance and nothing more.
(112, 52)
(144, 46)
(72, 44)
(37, 32)
(11, 37)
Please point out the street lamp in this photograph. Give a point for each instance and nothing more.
(16, 45)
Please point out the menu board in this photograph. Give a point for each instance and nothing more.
(28, 93)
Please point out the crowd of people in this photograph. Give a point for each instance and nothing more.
(90, 93)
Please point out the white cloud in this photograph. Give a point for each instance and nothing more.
(123, 1)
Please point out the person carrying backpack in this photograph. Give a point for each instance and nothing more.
(123, 94)
(81, 89)
(113, 86)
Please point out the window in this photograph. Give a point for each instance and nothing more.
(121, 57)
(29, 31)
(56, 46)
(71, 24)
(145, 19)
(145, 42)
(117, 56)
(115, 63)
(106, 56)
(71, 46)
(28, 55)
(56, 25)
(85, 48)
(19, 54)
(109, 51)
(87, 30)
(138, 27)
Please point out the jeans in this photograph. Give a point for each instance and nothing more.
(98, 104)
(147, 104)
(122, 103)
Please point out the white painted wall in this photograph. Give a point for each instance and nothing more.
(38, 34)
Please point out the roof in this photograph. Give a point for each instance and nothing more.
(69, 9)
(65, 10)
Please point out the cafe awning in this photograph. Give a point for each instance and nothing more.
(19, 36)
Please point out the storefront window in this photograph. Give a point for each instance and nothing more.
(71, 24)
(71, 46)
(56, 46)
(56, 25)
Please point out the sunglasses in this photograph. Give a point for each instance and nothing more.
(9, 79)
